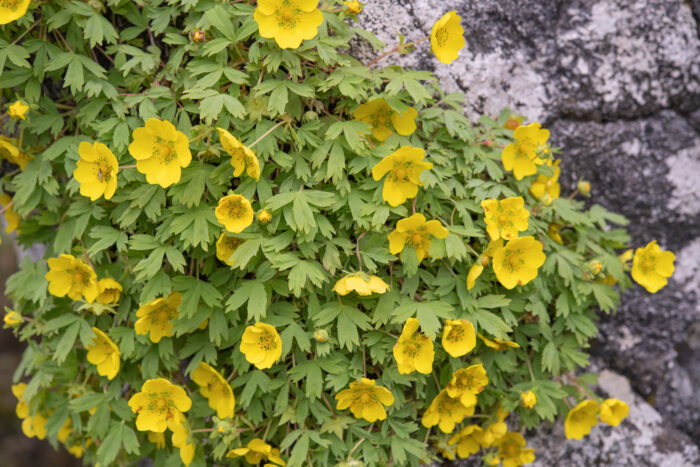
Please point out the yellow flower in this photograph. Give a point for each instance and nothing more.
(361, 283)
(512, 451)
(413, 351)
(528, 399)
(159, 405)
(553, 232)
(474, 273)
(22, 409)
(458, 337)
(445, 412)
(354, 7)
(216, 389)
(613, 411)
(11, 10)
(402, 169)
(505, 218)
(288, 22)
(468, 440)
(96, 171)
(104, 354)
(521, 156)
(78, 448)
(581, 419)
(157, 438)
(447, 37)
(34, 426)
(495, 431)
(365, 400)
(378, 114)
(256, 452)
(68, 275)
(17, 110)
(110, 290)
(416, 232)
(547, 189)
(466, 383)
(12, 318)
(264, 216)
(181, 435)
(242, 157)
(651, 267)
(155, 318)
(517, 262)
(226, 246)
(261, 345)
(11, 217)
(65, 431)
(498, 344)
(160, 152)
(12, 153)
(234, 212)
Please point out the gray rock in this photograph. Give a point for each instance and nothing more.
(618, 84)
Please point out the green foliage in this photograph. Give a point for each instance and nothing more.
(95, 71)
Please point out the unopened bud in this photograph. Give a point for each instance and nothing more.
(264, 216)
(199, 36)
(354, 7)
(584, 187)
(321, 335)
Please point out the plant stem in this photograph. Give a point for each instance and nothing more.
(267, 133)
(357, 250)
(132, 166)
(396, 49)
(9, 205)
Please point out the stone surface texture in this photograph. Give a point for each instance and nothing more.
(618, 84)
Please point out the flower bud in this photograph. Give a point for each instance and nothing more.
(199, 36)
(595, 266)
(513, 122)
(309, 116)
(321, 335)
(584, 187)
(264, 216)
(12, 318)
(354, 7)
(485, 260)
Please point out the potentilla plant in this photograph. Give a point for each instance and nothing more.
(261, 250)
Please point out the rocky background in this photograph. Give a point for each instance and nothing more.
(618, 84)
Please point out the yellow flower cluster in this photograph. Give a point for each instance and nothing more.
(522, 157)
(517, 261)
(584, 416)
(258, 451)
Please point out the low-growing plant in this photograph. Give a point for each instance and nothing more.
(271, 252)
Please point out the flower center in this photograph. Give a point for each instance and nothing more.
(527, 145)
(11, 4)
(511, 450)
(411, 348)
(512, 260)
(235, 209)
(164, 150)
(647, 264)
(416, 240)
(442, 36)
(456, 334)
(266, 342)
